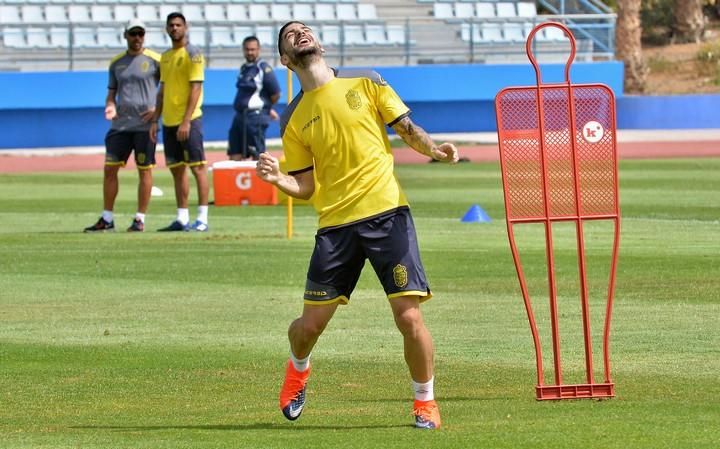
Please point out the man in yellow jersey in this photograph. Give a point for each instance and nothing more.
(133, 76)
(179, 101)
(334, 132)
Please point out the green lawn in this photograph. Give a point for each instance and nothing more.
(179, 341)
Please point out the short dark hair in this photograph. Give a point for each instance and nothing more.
(175, 15)
(250, 39)
(279, 42)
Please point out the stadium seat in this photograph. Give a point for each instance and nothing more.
(375, 34)
(505, 9)
(302, 12)
(123, 13)
(324, 11)
(32, 14)
(491, 32)
(236, 13)
(157, 39)
(221, 36)
(167, 9)
(148, 13)
(14, 38)
(193, 12)
(513, 31)
(110, 37)
(551, 34)
(443, 10)
(265, 34)
(526, 9)
(464, 10)
(38, 38)
(484, 10)
(354, 35)
(367, 11)
(258, 12)
(395, 34)
(10, 14)
(280, 12)
(198, 36)
(76, 14)
(470, 31)
(60, 37)
(240, 33)
(346, 11)
(215, 13)
(330, 34)
(56, 14)
(84, 37)
(101, 13)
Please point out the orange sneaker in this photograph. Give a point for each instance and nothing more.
(427, 414)
(292, 393)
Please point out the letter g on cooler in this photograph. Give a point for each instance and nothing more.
(243, 181)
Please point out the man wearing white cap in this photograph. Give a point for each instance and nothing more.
(130, 106)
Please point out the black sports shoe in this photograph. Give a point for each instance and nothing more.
(136, 226)
(101, 226)
(175, 226)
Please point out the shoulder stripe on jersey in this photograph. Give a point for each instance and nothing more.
(288, 112)
(372, 75)
(151, 54)
(116, 57)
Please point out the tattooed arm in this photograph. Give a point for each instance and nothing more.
(421, 142)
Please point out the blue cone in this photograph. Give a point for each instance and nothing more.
(476, 215)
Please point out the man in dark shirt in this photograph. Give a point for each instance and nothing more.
(257, 91)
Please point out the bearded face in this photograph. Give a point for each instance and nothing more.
(300, 45)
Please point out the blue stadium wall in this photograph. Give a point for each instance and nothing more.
(48, 109)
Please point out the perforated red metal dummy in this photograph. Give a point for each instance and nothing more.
(558, 156)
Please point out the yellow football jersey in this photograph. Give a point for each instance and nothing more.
(178, 68)
(339, 131)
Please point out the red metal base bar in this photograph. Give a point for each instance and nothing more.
(584, 391)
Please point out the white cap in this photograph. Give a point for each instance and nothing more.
(135, 23)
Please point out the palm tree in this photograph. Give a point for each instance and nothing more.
(628, 46)
(689, 21)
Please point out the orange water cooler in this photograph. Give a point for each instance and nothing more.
(235, 183)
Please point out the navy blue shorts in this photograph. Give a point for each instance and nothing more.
(119, 145)
(387, 240)
(247, 134)
(190, 152)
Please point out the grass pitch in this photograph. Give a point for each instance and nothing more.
(179, 340)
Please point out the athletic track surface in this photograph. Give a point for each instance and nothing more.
(57, 161)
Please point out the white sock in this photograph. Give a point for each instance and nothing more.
(183, 216)
(203, 214)
(139, 216)
(300, 364)
(107, 215)
(424, 391)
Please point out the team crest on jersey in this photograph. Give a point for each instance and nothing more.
(145, 66)
(353, 99)
(400, 275)
(179, 62)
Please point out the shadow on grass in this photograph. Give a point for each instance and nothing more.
(239, 427)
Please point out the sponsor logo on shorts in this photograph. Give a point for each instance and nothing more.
(400, 275)
(319, 293)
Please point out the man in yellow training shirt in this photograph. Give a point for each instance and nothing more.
(179, 101)
(336, 146)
